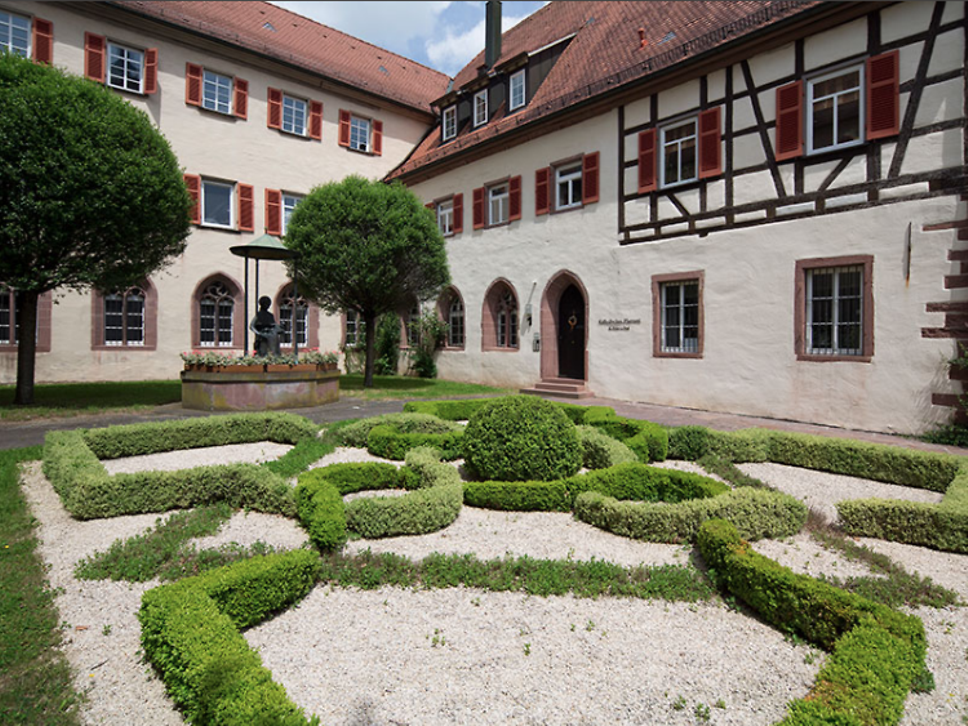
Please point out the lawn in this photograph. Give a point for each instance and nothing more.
(390, 387)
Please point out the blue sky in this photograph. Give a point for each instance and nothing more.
(442, 35)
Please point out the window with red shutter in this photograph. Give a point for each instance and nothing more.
(274, 96)
(194, 184)
(378, 138)
(193, 84)
(240, 92)
(589, 181)
(94, 46)
(458, 213)
(883, 100)
(344, 128)
(43, 41)
(246, 207)
(789, 121)
(478, 208)
(710, 144)
(151, 71)
(315, 120)
(274, 212)
(647, 161)
(514, 198)
(542, 181)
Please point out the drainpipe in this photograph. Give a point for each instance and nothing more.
(492, 40)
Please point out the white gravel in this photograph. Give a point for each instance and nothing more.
(358, 658)
(255, 453)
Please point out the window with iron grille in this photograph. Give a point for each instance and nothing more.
(124, 318)
(680, 317)
(835, 310)
(215, 319)
(285, 319)
(507, 321)
(455, 323)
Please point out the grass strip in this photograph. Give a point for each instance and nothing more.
(391, 387)
(74, 399)
(728, 471)
(161, 551)
(35, 679)
(308, 451)
(596, 578)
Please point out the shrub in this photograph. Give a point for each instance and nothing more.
(190, 634)
(649, 441)
(448, 410)
(600, 451)
(319, 506)
(521, 438)
(388, 442)
(520, 496)
(757, 513)
(688, 442)
(357, 433)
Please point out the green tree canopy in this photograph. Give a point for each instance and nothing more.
(91, 194)
(366, 246)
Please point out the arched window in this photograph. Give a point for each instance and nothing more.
(353, 329)
(286, 304)
(413, 325)
(124, 318)
(216, 312)
(500, 320)
(10, 306)
(450, 308)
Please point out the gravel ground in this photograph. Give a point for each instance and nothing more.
(358, 658)
(205, 456)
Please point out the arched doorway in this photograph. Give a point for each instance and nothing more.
(571, 334)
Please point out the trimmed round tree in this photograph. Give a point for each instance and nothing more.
(91, 194)
(521, 438)
(366, 246)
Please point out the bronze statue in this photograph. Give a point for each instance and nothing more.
(266, 329)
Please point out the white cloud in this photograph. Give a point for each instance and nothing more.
(456, 50)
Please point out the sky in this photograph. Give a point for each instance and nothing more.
(442, 35)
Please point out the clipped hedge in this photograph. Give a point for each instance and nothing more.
(600, 451)
(89, 492)
(648, 440)
(357, 434)
(319, 506)
(190, 634)
(151, 438)
(876, 653)
(757, 513)
(389, 442)
(460, 410)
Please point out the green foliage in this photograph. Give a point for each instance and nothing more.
(600, 451)
(448, 410)
(305, 453)
(521, 438)
(357, 433)
(431, 333)
(190, 634)
(387, 351)
(388, 442)
(688, 442)
(319, 506)
(756, 513)
(73, 399)
(876, 654)
(519, 496)
(649, 441)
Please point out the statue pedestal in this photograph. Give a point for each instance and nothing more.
(258, 390)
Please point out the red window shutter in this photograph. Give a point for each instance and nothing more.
(151, 70)
(542, 202)
(194, 184)
(94, 46)
(710, 144)
(478, 208)
(246, 207)
(240, 99)
(315, 120)
(789, 121)
(193, 84)
(344, 128)
(378, 138)
(647, 161)
(275, 108)
(514, 198)
(273, 212)
(43, 41)
(458, 224)
(430, 205)
(883, 96)
(589, 178)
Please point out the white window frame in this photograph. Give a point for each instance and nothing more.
(480, 108)
(227, 185)
(565, 176)
(445, 217)
(289, 202)
(449, 123)
(216, 81)
(219, 293)
(673, 295)
(498, 199)
(516, 83)
(13, 21)
(861, 120)
(285, 320)
(360, 125)
(664, 146)
(835, 349)
(295, 108)
(128, 52)
(352, 329)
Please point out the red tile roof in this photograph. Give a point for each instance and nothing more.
(305, 43)
(605, 54)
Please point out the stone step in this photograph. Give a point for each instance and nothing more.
(561, 387)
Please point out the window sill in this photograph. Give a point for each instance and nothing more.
(125, 348)
(139, 94)
(216, 112)
(497, 224)
(834, 358)
(294, 134)
(676, 354)
(365, 152)
(812, 153)
(498, 349)
(219, 227)
(452, 348)
(563, 210)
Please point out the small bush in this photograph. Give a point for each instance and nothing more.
(519, 496)
(521, 438)
(319, 506)
(690, 443)
(649, 441)
(460, 410)
(388, 442)
(356, 434)
(600, 451)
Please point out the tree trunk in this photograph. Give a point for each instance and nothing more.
(369, 322)
(26, 319)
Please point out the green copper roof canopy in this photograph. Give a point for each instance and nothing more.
(265, 247)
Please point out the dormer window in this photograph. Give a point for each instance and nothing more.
(480, 108)
(517, 91)
(449, 122)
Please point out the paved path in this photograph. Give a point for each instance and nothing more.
(29, 433)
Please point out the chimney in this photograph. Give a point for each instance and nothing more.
(492, 40)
